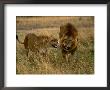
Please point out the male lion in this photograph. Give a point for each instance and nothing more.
(38, 44)
(68, 40)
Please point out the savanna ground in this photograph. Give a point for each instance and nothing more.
(83, 59)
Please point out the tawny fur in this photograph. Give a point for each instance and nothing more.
(68, 40)
(38, 44)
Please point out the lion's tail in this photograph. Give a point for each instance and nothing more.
(19, 40)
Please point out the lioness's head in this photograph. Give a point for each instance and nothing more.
(54, 42)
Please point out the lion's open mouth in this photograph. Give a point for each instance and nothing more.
(67, 48)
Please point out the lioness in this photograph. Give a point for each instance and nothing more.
(68, 40)
(38, 44)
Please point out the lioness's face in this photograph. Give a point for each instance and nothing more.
(54, 43)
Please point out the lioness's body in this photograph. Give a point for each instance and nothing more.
(38, 44)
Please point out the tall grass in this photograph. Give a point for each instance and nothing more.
(82, 61)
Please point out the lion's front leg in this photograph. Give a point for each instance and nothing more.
(27, 51)
(66, 55)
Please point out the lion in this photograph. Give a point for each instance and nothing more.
(38, 44)
(68, 40)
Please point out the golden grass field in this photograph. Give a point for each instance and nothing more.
(83, 59)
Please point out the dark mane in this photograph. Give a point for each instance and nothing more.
(71, 30)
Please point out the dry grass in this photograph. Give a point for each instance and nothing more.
(83, 59)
